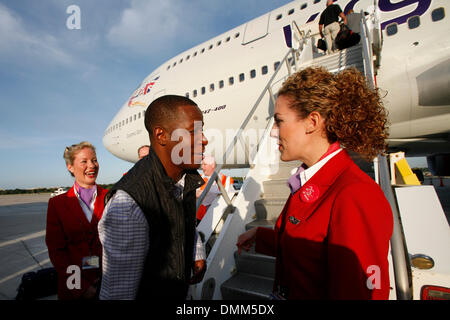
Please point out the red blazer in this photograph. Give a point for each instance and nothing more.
(70, 237)
(331, 240)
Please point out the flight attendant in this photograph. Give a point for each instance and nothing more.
(72, 237)
(331, 240)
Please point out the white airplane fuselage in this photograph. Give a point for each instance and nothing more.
(413, 73)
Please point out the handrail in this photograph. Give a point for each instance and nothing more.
(230, 148)
(398, 246)
(367, 51)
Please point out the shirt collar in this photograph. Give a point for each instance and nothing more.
(303, 173)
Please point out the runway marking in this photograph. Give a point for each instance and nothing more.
(18, 273)
(28, 237)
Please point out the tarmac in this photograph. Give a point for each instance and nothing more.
(22, 239)
(22, 235)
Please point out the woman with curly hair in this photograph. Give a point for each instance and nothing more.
(331, 239)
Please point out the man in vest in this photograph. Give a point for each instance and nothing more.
(151, 249)
(208, 166)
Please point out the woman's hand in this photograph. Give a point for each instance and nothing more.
(246, 240)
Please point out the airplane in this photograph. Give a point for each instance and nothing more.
(413, 75)
(229, 76)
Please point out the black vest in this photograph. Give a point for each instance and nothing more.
(171, 223)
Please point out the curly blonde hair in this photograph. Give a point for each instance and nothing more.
(354, 113)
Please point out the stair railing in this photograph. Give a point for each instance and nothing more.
(290, 61)
(398, 245)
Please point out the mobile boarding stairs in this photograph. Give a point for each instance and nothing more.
(420, 227)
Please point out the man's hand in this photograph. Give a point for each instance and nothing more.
(199, 270)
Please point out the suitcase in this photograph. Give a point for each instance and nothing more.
(322, 45)
(39, 284)
(346, 38)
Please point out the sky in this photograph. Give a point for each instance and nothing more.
(63, 79)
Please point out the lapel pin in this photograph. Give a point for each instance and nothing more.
(310, 193)
(293, 220)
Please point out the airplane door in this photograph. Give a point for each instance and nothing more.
(256, 29)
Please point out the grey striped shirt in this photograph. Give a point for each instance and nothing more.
(123, 232)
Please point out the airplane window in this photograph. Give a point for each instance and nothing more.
(174, 64)
(241, 77)
(275, 65)
(187, 58)
(211, 87)
(139, 115)
(131, 119)
(219, 43)
(391, 29)
(203, 50)
(264, 70)
(438, 14)
(237, 35)
(414, 22)
(228, 39)
(231, 81)
(187, 95)
(210, 47)
(195, 53)
(316, 1)
(126, 121)
(291, 12)
(134, 118)
(221, 84)
(195, 93)
(203, 90)
(181, 60)
(303, 6)
(279, 16)
(168, 67)
(252, 73)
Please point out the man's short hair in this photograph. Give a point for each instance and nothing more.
(163, 111)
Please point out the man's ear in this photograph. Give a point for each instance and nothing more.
(160, 135)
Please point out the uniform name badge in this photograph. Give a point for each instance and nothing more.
(90, 262)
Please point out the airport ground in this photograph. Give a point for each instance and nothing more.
(22, 234)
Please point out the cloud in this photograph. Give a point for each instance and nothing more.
(146, 24)
(20, 43)
(158, 25)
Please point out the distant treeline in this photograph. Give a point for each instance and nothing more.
(43, 190)
(50, 190)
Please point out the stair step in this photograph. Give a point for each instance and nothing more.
(269, 208)
(255, 264)
(260, 223)
(285, 169)
(276, 188)
(244, 286)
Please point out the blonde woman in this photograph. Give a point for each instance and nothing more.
(72, 218)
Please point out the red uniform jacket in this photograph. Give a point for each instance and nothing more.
(331, 240)
(70, 237)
